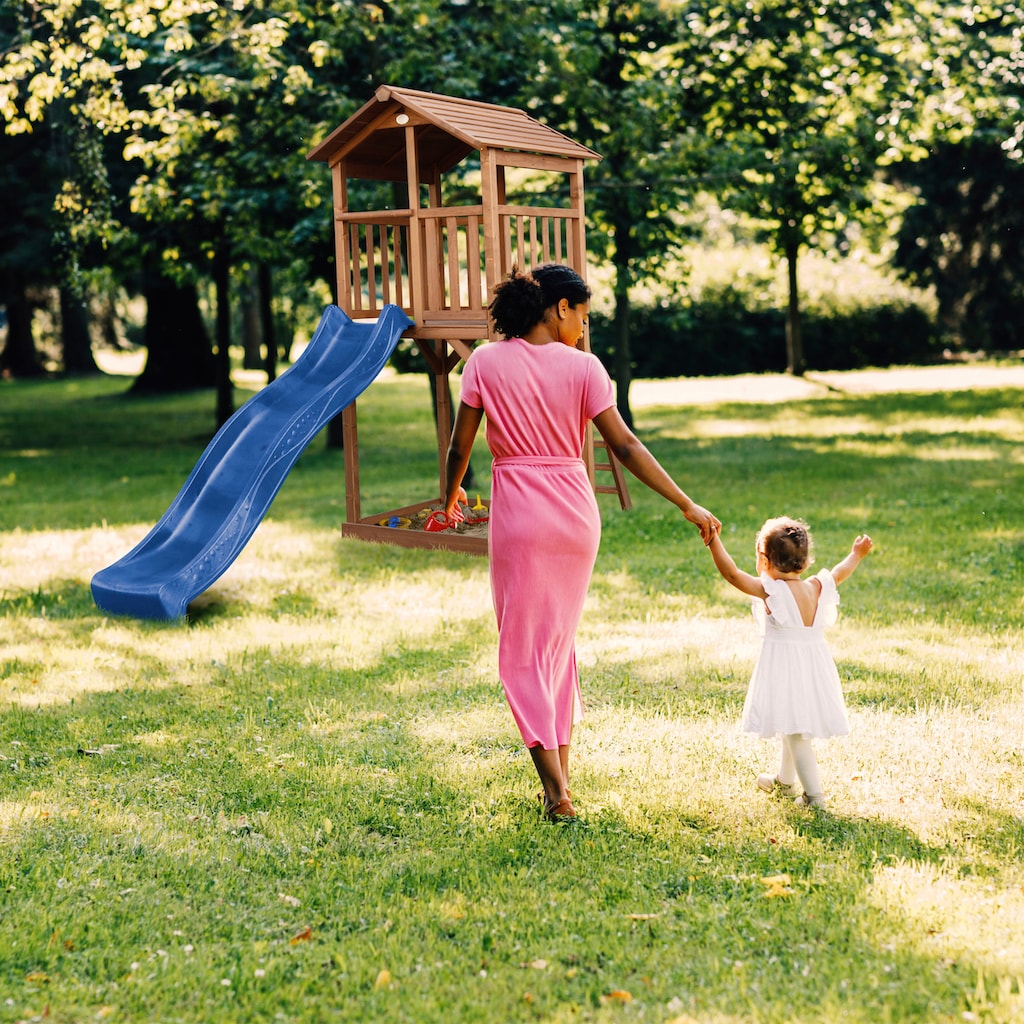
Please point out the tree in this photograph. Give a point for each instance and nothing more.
(803, 103)
(963, 234)
(201, 94)
(965, 237)
(610, 81)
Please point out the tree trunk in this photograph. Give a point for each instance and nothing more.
(252, 333)
(621, 324)
(19, 357)
(179, 356)
(794, 341)
(74, 322)
(266, 296)
(225, 394)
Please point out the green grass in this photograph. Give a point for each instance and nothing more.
(309, 802)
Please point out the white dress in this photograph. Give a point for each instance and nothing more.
(795, 686)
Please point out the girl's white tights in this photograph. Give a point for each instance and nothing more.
(799, 762)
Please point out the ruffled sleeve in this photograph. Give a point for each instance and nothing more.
(758, 607)
(828, 602)
(781, 604)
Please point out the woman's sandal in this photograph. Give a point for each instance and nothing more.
(561, 811)
(541, 798)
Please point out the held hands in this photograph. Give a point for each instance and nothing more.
(705, 521)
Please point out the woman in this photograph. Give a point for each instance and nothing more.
(539, 391)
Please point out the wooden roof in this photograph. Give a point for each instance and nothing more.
(372, 140)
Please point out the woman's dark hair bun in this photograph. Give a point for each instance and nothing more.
(521, 300)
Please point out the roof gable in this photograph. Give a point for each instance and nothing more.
(447, 130)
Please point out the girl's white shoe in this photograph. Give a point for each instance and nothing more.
(806, 800)
(771, 784)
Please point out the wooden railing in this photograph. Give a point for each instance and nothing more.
(533, 234)
(376, 269)
(373, 251)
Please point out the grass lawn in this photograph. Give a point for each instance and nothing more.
(309, 802)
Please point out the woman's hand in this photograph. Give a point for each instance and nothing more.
(708, 523)
(452, 510)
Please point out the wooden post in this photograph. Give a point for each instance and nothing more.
(342, 255)
(444, 413)
(417, 275)
(352, 504)
(492, 194)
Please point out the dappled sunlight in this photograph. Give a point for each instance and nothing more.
(646, 645)
(464, 730)
(337, 718)
(29, 560)
(783, 424)
(631, 759)
(68, 671)
(933, 655)
(922, 769)
(43, 810)
(949, 450)
(875, 434)
(951, 917)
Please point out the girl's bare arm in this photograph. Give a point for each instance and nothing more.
(731, 573)
(861, 546)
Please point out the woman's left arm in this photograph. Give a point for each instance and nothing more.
(467, 423)
(635, 456)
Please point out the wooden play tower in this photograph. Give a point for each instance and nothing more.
(440, 262)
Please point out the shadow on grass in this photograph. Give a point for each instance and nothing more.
(58, 599)
(278, 801)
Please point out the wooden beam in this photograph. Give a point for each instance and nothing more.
(351, 441)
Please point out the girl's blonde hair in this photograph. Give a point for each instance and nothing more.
(786, 543)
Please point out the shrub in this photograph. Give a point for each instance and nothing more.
(725, 332)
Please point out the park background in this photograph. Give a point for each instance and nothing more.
(308, 802)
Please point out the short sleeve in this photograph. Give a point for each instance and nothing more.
(470, 384)
(600, 393)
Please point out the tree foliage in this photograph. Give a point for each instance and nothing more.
(805, 103)
(160, 144)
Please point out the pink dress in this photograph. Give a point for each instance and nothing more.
(795, 686)
(544, 525)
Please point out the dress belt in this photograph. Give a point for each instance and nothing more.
(537, 460)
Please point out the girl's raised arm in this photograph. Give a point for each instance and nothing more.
(731, 573)
(861, 546)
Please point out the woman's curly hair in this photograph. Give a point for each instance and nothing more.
(521, 301)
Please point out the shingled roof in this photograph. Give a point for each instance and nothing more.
(372, 140)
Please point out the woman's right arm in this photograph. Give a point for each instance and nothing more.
(634, 455)
(467, 423)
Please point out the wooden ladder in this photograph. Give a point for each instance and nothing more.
(610, 464)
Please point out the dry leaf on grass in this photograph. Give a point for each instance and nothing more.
(617, 996)
(778, 885)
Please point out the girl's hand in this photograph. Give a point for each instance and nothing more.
(862, 545)
(705, 521)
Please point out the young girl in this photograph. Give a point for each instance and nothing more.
(794, 691)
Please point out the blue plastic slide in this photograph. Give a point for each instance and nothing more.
(237, 477)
